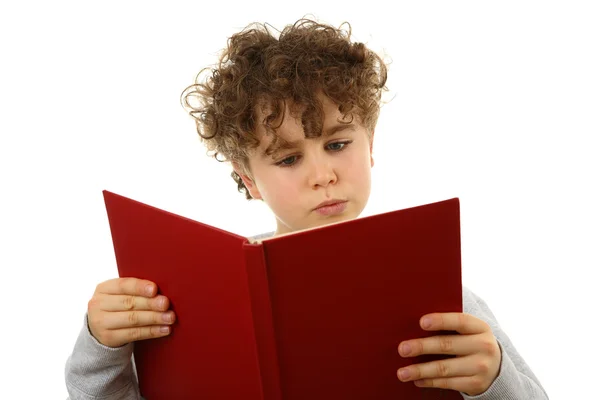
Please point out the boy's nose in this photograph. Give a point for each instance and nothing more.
(322, 174)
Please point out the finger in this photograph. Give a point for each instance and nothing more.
(128, 286)
(119, 337)
(459, 322)
(130, 319)
(459, 345)
(447, 368)
(120, 302)
(471, 385)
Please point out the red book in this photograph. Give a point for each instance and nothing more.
(317, 314)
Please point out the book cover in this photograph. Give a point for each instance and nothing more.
(316, 314)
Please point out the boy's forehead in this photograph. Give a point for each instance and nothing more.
(288, 124)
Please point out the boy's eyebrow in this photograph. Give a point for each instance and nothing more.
(279, 144)
(339, 127)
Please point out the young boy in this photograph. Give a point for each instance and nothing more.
(295, 115)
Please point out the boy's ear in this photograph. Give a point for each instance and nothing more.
(248, 181)
(371, 148)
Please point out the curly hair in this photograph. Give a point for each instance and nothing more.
(257, 69)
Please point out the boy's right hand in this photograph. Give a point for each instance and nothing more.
(125, 310)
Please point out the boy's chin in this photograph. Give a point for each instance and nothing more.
(334, 219)
(316, 221)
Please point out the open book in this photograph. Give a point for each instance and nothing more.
(317, 314)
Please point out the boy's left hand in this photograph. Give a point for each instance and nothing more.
(477, 361)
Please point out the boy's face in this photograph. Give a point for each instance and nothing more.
(294, 181)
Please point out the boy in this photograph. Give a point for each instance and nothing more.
(295, 115)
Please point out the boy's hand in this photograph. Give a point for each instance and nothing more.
(124, 310)
(477, 361)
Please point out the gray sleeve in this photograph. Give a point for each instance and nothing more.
(94, 371)
(515, 381)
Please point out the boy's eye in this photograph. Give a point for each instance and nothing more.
(288, 161)
(337, 146)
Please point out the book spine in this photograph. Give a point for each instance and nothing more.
(262, 316)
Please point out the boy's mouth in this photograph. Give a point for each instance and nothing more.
(331, 207)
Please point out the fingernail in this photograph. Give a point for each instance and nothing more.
(405, 349)
(149, 290)
(403, 374)
(164, 329)
(161, 302)
(167, 317)
(426, 322)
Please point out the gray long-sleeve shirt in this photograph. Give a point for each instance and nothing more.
(94, 371)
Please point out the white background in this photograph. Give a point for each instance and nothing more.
(496, 103)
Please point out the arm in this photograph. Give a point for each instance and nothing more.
(95, 371)
(515, 379)
(121, 311)
(485, 364)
